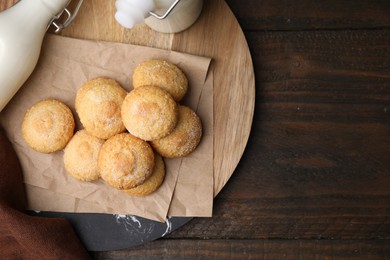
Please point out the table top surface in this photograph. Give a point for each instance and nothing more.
(314, 180)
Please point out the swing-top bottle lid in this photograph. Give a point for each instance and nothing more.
(131, 12)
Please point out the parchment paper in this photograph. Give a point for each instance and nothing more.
(65, 64)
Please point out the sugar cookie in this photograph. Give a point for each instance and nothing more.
(98, 104)
(149, 112)
(48, 126)
(81, 154)
(162, 74)
(153, 182)
(125, 161)
(184, 138)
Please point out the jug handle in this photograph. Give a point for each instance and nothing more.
(163, 16)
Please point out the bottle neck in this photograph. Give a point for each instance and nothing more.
(55, 6)
(33, 14)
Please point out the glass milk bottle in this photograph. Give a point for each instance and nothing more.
(22, 29)
(166, 16)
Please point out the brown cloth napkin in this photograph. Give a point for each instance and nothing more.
(23, 236)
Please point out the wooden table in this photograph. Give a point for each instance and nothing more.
(314, 180)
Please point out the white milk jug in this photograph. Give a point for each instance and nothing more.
(166, 16)
(22, 29)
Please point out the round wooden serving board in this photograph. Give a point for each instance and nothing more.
(217, 35)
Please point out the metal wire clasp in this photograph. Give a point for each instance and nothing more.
(69, 17)
(163, 16)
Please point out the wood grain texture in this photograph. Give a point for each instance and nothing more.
(4, 4)
(255, 249)
(95, 21)
(317, 161)
(314, 179)
(234, 86)
(311, 15)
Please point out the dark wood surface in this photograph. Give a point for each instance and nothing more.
(314, 181)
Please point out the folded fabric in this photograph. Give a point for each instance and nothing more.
(23, 236)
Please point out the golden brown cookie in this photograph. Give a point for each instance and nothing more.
(162, 74)
(153, 182)
(125, 161)
(81, 155)
(149, 112)
(98, 104)
(184, 138)
(48, 126)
